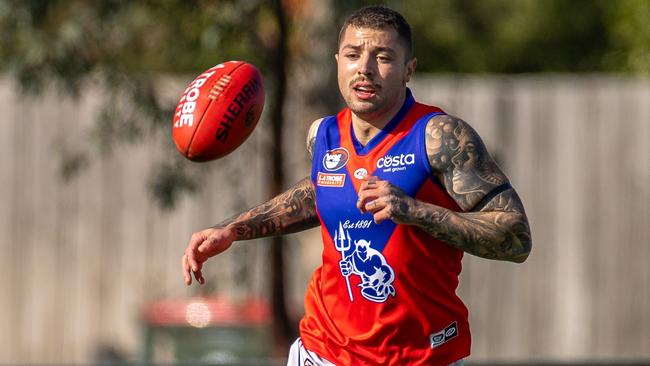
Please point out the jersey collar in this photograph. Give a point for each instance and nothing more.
(390, 126)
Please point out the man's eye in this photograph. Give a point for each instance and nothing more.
(352, 56)
(384, 58)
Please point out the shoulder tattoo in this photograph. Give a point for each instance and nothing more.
(311, 136)
(459, 158)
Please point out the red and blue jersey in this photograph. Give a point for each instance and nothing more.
(385, 293)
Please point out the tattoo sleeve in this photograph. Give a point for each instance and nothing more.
(292, 211)
(500, 230)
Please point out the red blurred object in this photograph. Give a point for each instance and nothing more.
(218, 111)
(204, 312)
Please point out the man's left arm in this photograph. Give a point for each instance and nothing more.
(493, 223)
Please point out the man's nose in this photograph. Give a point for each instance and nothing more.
(366, 65)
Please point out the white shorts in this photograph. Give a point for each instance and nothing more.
(300, 356)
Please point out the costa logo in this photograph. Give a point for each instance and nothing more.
(335, 159)
(400, 160)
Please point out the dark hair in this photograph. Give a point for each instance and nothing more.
(379, 17)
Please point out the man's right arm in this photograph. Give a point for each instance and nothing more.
(291, 211)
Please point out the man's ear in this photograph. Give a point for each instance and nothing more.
(336, 56)
(410, 69)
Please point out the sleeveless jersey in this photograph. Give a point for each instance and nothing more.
(385, 293)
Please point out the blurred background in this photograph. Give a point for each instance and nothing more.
(97, 206)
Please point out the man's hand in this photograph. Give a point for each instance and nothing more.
(384, 201)
(203, 245)
(346, 267)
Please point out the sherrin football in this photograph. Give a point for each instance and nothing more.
(218, 111)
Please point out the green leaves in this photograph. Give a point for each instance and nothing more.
(124, 47)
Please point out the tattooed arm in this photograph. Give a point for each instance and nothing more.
(291, 211)
(493, 224)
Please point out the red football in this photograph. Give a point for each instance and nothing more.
(218, 111)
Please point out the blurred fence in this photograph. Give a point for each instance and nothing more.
(79, 259)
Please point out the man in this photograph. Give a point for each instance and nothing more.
(400, 190)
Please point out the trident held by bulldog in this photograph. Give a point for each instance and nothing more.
(342, 245)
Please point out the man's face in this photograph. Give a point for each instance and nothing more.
(373, 71)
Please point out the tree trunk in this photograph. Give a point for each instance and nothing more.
(283, 329)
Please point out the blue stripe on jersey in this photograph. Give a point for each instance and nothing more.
(405, 165)
(337, 205)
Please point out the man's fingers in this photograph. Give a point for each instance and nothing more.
(187, 271)
(199, 277)
(369, 195)
(192, 246)
(191, 259)
(361, 203)
(205, 246)
(370, 179)
(367, 191)
(201, 246)
(375, 205)
(368, 182)
(195, 241)
(365, 196)
(381, 215)
(187, 276)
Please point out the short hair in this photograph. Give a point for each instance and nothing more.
(379, 17)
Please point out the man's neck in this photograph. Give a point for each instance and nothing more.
(366, 127)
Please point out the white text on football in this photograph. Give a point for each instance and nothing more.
(189, 100)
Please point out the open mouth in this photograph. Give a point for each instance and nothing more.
(364, 90)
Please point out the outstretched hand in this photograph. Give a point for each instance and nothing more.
(384, 201)
(203, 245)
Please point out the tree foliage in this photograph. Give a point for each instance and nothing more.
(527, 36)
(124, 46)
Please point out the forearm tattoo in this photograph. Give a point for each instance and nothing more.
(500, 230)
(292, 211)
